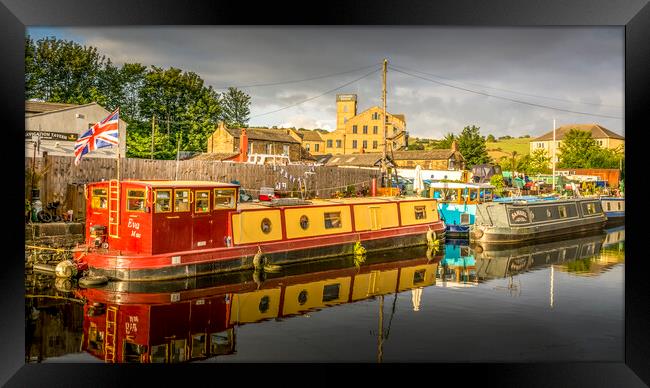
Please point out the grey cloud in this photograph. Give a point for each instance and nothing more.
(576, 63)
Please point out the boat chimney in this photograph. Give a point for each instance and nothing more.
(243, 146)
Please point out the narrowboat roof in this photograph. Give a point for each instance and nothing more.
(460, 185)
(336, 201)
(171, 183)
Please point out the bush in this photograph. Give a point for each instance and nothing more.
(498, 183)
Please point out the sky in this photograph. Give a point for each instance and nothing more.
(441, 78)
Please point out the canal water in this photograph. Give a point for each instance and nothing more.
(559, 301)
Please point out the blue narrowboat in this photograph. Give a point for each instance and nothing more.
(614, 208)
(457, 204)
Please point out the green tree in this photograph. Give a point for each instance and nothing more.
(491, 139)
(472, 146)
(497, 181)
(539, 162)
(236, 108)
(580, 150)
(61, 71)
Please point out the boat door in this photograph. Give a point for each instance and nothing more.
(375, 218)
(201, 219)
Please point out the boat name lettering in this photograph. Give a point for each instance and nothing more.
(134, 227)
(132, 325)
(519, 216)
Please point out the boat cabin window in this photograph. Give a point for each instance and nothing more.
(133, 352)
(266, 226)
(265, 303)
(202, 203)
(331, 292)
(488, 195)
(199, 345)
(158, 354)
(224, 198)
(178, 350)
(562, 211)
(163, 201)
(304, 222)
(220, 343)
(609, 206)
(333, 220)
(95, 338)
(100, 199)
(182, 202)
(420, 212)
(591, 208)
(473, 195)
(418, 276)
(135, 200)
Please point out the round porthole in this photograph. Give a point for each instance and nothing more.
(266, 226)
(302, 297)
(304, 222)
(264, 303)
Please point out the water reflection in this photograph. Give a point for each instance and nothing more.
(196, 319)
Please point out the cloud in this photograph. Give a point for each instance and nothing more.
(572, 68)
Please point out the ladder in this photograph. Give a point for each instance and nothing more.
(111, 329)
(113, 208)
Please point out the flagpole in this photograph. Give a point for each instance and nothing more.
(118, 144)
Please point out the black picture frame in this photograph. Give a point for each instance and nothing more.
(15, 15)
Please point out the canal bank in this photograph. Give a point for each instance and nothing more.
(50, 243)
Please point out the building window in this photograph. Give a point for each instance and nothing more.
(365, 129)
(202, 203)
(100, 199)
(182, 203)
(265, 225)
(329, 144)
(374, 144)
(269, 148)
(250, 148)
(375, 116)
(354, 129)
(307, 146)
(304, 222)
(316, 147)
(163, 201)
(375, 130)
(333, 220)
(354, 144)
(224, 198)
(135, 200)
(338, 144)
(285, 149)
(365, 144)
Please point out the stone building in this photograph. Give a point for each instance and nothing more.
(54, 128)
(363, 132)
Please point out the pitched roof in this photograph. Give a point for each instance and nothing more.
(279, 135)
(357, 160)
(399, 116)
(597, 132)
(214, 156)
(441, 154)
(33, 107)
(309, 135)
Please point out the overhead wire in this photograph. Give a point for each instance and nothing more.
(506, 98)
(503, 90)
(299, 80)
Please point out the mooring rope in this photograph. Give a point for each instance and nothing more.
(55, 297)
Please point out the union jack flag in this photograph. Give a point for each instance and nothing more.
(103, 134)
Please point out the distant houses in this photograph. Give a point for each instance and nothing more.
(603, 136)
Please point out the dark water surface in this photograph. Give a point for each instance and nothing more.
(560, 301)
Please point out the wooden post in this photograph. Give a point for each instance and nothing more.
(153, 129)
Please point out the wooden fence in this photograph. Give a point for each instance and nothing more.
(63, 181)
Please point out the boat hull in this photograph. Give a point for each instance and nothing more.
(615, 218)
(203, 262)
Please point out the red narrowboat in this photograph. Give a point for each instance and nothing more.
(171, 322)
(143, 230)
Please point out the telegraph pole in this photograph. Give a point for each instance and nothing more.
(153, 126)
(384, 168)
(554, 146)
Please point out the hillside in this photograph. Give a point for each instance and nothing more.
(497, 150)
